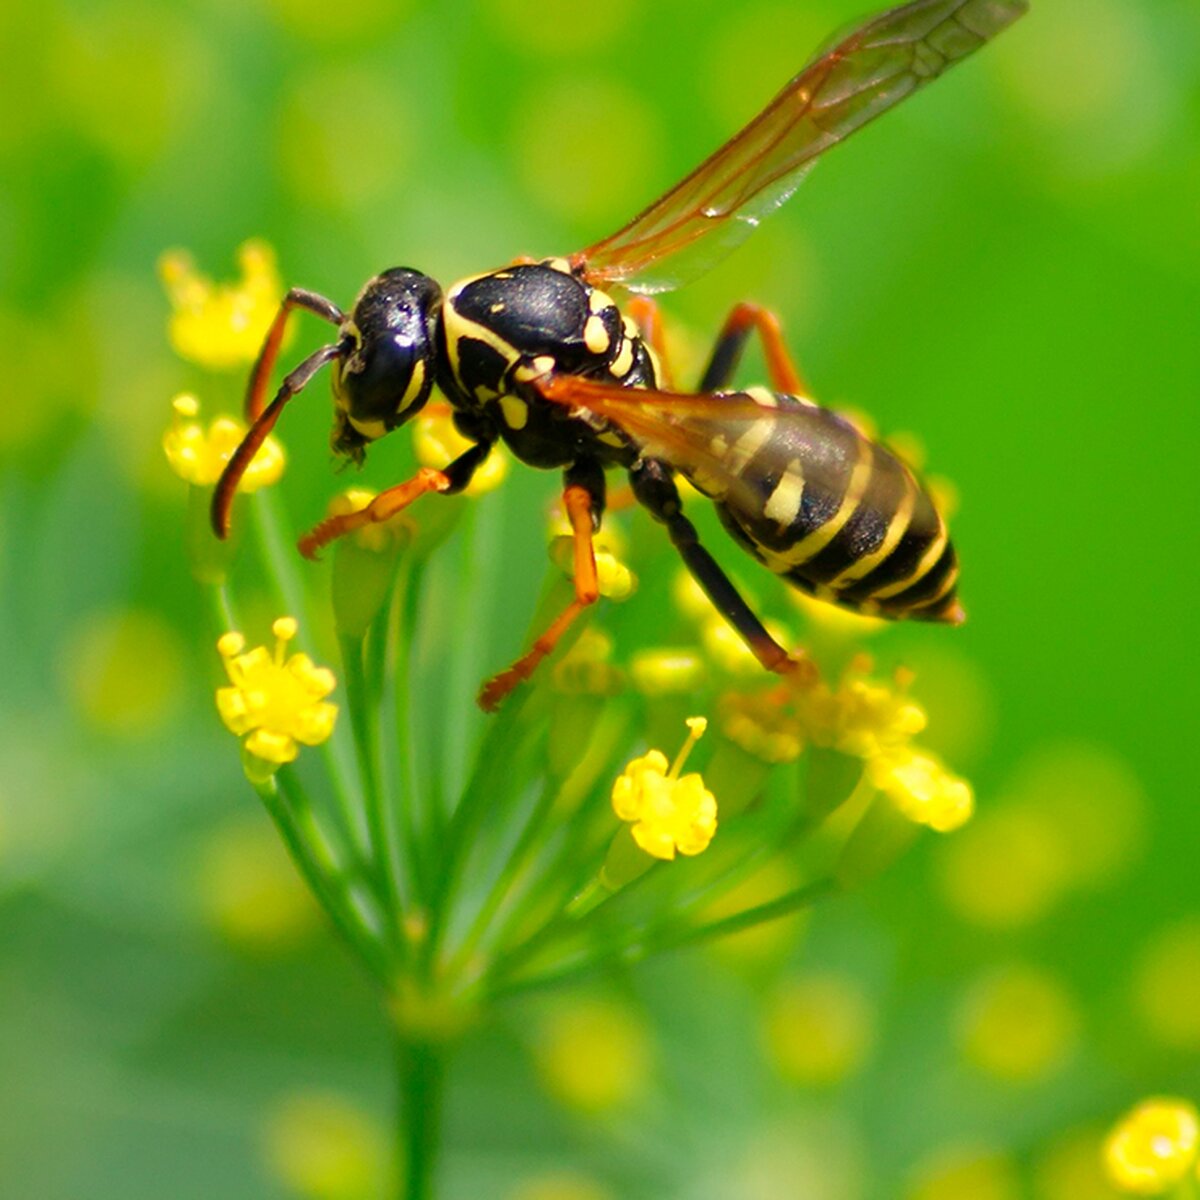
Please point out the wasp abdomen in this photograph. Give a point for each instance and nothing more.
(835, 513)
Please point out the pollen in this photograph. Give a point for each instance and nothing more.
(198, 454)
(1154, 1146)
(221, 325)
(275, 701)
(668, 814)
(437, 442)
(862, 717)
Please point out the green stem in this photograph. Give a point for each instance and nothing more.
(290, 808)
(421, 1073)
(641, 945)
(364, 721)
(280, 561)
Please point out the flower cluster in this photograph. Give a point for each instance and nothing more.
(198, 454)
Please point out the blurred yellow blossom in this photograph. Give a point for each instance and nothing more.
(249, 889)
(1006, 870)
(123, 671)
(818, 1028)
(966, 1173)
(1072, 1168)
(199, 455)
(1167, 984)
(1017, 1024)
(277, 700)
(861, 717)
(668, 813)
(1153, 1146)
(762, 725)
(593, 1055)
(615, 580)
(437, 443)
(726, 647)
(922, 789)
(221, 325)
(324, 1147)
(667, 671)
(560, 1185)
(587, 668)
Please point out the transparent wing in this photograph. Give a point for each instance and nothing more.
(722, 201)
(711, 437)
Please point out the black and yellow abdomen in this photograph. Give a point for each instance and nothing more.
(835, 513)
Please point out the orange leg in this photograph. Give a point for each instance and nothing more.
(741, 322)
(649, 320)
(578, 503)
(386, 505)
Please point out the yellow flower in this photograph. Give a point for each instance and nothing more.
(922, 789)
(861, 717)
(594, 1055)
(616, 581)
(666, 672)
(277, 701)
(818, 1029)
(221, 325)
(199, 455)
(1153, 1146)
(761, 725)
(668, 814)
(437, 443)
(324, 1147)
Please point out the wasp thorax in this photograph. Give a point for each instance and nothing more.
(387, 373)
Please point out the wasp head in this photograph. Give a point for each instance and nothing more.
(386, 373)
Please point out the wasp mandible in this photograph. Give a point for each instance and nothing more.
(538, 354)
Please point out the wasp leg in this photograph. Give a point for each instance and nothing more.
(393, 500)
(264, 364)
(731, 341)
(648, 317)
(583, 499)
(294, 382)
(654, 487)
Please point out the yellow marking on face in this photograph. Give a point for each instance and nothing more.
(415, 383)
(897, 527)
(595, 335)
(931, 555)
(763, 396)
(820, 537)
(784, 503)
(558, 264)
(484, 394)
(598, 301)
(369, 429)
(515, 412)
(528, 372)
(631, 327)
(623, 363)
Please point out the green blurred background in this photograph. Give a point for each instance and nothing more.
(1008, 266)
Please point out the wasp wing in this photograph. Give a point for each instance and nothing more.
(735, 446)
(722, 201)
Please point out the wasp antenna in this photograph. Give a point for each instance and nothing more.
(235, 468)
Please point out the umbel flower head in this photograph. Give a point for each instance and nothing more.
(668, 813)
(199, 455)
(275, 700)
(221, 325)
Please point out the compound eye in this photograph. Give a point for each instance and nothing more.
(384, 382)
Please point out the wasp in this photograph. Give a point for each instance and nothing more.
(539, 355)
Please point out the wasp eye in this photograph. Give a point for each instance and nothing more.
(387, 377)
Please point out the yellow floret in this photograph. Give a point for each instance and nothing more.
(922, 789)
(668, 814)
(275, 702)
(1153, 1146)
(198, 455)
(221, 325)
